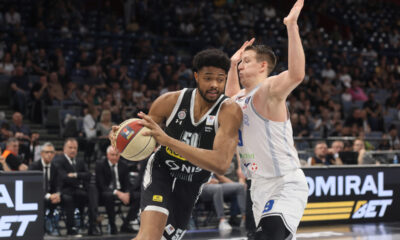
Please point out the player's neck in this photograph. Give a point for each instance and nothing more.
(253, 84)
(201, 106)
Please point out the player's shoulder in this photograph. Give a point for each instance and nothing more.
(169, 97)
(231, 108)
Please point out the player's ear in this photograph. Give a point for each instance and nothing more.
(264, 66)
(196, 77)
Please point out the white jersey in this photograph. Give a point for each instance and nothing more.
(266, 147)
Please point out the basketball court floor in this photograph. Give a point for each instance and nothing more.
(367, 231)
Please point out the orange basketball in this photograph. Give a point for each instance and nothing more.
(131, 143)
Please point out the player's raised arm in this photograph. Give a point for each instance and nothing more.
(288, 80)
(232, 84)
(219, 158)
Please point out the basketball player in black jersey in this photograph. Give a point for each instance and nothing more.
(200, 137)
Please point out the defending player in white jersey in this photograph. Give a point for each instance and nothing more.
(278, 186)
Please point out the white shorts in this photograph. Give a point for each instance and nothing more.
(284, 196)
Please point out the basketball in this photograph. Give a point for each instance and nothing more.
(131, 143)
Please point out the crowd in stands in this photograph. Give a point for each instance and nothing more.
(107, 60)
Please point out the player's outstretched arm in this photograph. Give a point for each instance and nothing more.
(283, 84)
(219, 158)
(232, 83)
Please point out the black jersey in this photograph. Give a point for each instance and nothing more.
(181, 126)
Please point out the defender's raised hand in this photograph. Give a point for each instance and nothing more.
(294, 13)
(235, 59)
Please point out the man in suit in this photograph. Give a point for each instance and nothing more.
(112, 178)
(52, 194)
(75, 187)
(50, 178)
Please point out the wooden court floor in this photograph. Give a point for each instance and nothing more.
(367, 231)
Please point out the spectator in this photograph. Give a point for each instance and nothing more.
(363, 156)
(41, 98)
(41, 64)
(52, 195)
(20, 87)
(7, 66)
(3, 164)
(112, 179)
(89, 129)
(303, 127)
(222, 187)
(103, 128)
(374, 112)
(55, 89)
(394, 140)
(328, 71)
(34, 148)
(75, 190)
(13, 17)
(356, 92)
(5, 132)
(21, 131)
(321, 156)
(336, 147)
(11, 155)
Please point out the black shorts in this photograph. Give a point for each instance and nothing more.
(174, 197)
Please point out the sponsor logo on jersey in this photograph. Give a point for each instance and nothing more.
(208, 129)
(127, 132)
(169, 229)
(246, 155)
(157, 198)
(174, 154)
(182, 114)
(210, 120)
(254, 167)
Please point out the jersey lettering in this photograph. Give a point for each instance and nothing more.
(191, 139)
(240, 143)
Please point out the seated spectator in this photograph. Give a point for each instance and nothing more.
(13, 160)
(55, 89)
(112, 179)
(374, 112)
(20, 89)
(384, 143)
(394, 140)
(356, 92)
(52, 195)
(3, 164)
(7, 66)
(41, 98)
(221, 187)
(41, 64)
(13, 17)
(103, 128)
(21, 131)
(321, 155)
(336, 147)
(5, 132)
(34, 148)
(74, 186)
(363, 156)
